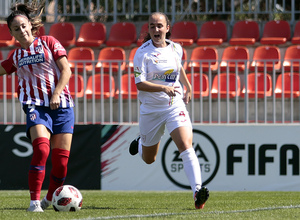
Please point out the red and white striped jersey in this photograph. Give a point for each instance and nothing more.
(38, 73)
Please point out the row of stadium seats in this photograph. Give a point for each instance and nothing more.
(122, 34)
(103, 86)
(203, 58)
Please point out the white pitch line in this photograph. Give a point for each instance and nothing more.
(192, 213)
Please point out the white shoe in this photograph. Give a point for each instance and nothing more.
(45, 203)
(35, 208)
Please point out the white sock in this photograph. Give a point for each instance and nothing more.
(192, 168)
(140, 148)
(34, 202)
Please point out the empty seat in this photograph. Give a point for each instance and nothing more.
(244, 33)
(296, 36)
(259, 89)
(84, 54)
(204, 58)
(125, 85)
(100, 84)
(111, 57)
(76, 81)
(184, 33)
(212, 33)
(235, 56)
(121, 34)
(221, 88)
(199, 84)
(10, 91)
(276, 32)
(143, 34)
(266, 57)
(129, 66)
(64, 32)
(91, 34)
(6, 39)
(290, 82)
(292, 58)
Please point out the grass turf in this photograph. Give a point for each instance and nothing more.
(161, 205)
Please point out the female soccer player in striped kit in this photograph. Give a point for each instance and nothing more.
(158, 74)
(43, 73)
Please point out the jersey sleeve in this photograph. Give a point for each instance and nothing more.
(55, 46)
(9, 64)
(139, 63)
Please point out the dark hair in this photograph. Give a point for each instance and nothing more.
(32, 12)
(168, 34)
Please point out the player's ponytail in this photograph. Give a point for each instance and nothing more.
(31, 11)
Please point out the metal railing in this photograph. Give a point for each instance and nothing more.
(267, 103)
(177, 10)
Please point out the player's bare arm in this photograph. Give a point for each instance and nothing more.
(2, 71)
(64, 67)
(152, 87)
(184, 80)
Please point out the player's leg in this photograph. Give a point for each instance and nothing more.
(180, 128)
(40, 136)
(182, 136)
(151, 130)
(61, 141)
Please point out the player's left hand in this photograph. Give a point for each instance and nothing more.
(187, 97)
(54, 102)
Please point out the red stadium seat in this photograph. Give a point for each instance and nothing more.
(143, 34)
(296, 36)
(9, 86)
(244, 33)
(64, 32)
(121, 34)
(197, 82)
(76, 80)
(130, 59)
(260, 85)
(185, 33)
(6, 39)
(103, 85)
(204, 58)
(288, 80)
(110, 57)
(81, 54)
(212, 33)
(276, 32)
(235, 56)
(125, 87)
(91, 34)
(266, 57)
(233, 82)
(292, 58)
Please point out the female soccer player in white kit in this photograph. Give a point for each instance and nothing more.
(158, 77)
(43, 74)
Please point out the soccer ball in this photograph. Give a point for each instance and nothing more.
(67, 198)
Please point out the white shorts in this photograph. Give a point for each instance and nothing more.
(152, 125)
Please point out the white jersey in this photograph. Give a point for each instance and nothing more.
(160, 66)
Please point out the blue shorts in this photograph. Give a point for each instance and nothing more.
(58, 121)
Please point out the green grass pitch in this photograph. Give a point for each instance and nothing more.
(161, 205)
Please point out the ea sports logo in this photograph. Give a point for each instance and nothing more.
(207, 153)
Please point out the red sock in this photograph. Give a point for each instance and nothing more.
(41, 149)
(58, 174)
